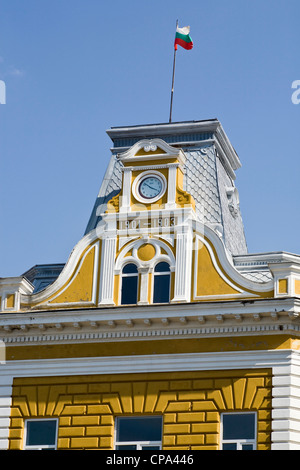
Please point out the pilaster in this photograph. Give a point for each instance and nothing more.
(182, 290)
(106, 290)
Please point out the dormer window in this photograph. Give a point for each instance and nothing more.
(161, 285)
(144, 270)
(129, 292)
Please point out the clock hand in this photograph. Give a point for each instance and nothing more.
(151, 187)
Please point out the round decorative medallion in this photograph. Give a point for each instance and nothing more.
(146, 252)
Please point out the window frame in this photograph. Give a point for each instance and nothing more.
(41, 446)
(239, 442)
(139, 444)
(156, 275)
(127, 275)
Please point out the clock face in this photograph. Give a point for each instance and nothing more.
(150, 187)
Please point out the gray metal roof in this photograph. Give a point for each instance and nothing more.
(42, 275)
(211, 162)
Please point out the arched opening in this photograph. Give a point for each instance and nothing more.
(161, 288)
(129, 291)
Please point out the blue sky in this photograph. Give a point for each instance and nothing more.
(74, 68)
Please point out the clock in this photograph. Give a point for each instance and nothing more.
(149, 186)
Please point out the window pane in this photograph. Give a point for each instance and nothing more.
(126, 447)
(150, 448)
(229, 446)
(161, 292)
(247, 447)
(41, 433)
(162, 267)
(130, 268)
(129, 290)
(239, 426)
(139, 429)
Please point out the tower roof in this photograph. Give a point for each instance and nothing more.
(209, 173)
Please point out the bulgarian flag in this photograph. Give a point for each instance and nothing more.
(183, 38)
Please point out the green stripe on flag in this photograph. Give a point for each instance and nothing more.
(184, 37)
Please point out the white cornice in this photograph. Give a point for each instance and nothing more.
(225, 149)
(266, 258)
(206, 319)
(150, 363)
(174, 128)
(16, 284)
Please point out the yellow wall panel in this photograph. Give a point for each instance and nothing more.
(191, 416)
(169, 346)
(10, 300)
(81, 287)
(143, 152)
(209, 281)
(297, 287)
(282, 286)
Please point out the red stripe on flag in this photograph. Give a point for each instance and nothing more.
(185, 45)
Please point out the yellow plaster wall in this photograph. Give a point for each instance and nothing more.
(282, 286)
(190, 403)
(297, 287)
(10, 300)
(158, 346)
(81, 287)
(209, 281)
(143, 152)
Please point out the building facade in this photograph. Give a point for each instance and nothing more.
(161, 331)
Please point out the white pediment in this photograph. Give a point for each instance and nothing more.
(154, 149)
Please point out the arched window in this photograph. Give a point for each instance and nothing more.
(129, 292)
(161, 290)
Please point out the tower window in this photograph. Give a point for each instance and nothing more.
(161, 290)
(129, 293)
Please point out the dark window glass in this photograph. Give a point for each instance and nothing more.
(150, 447)
(247, 446)
(126, 447)
(130, 269)
(161, 290)
(129, 290)
(239, 426)
(139, 429)
(129, 284)
(162, 267)
(229, 446)
(41, 433)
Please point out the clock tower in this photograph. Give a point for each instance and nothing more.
(152, 174)
(153, 206)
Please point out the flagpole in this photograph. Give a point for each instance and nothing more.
(172, 90)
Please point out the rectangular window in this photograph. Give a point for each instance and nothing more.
(40, 434)
(138, 433)
(238, 431)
